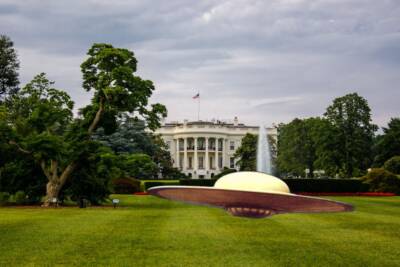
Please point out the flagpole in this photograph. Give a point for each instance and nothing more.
(198, 108)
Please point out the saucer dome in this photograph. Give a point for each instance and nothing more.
(249, 194)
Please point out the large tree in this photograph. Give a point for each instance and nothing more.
(350, 116)
(9, 66)
(388, 144)
(299, 145)
(247, 153)
(42, 115)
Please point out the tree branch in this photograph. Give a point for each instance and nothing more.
(97, 118)
(12, 142)
(66, 173)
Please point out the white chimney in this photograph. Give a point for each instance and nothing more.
(235, 121)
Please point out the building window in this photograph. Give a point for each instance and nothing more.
(232, 163)
(211, 163)
(201, 165)
(232, 145)
(220, 162)
(180, 162)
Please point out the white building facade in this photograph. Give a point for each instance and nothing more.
(203, 149)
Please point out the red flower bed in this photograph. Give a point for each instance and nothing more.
(366, 194)
(141, 193)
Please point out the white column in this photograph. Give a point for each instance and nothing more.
(196, 162)
(207, 164)
(216, 154)
(223, 152)
(177, 153)
(185, 159)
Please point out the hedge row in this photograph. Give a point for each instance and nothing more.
(304, 185)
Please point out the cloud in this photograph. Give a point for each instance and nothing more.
(263, 61)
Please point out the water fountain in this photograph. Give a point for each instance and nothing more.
(263, 152)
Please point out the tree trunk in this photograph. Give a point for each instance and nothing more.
(56, 182)
(52, 190)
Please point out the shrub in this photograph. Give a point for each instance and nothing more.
(20, 197)
(126, 186)
(225, 171)
(381, 180)
(393, 165)
(4, 197)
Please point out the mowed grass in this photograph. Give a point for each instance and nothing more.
(146, 231)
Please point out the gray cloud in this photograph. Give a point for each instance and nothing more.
(263, 61)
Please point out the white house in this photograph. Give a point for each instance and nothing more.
(201, 149)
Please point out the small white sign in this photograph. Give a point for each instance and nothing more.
(115, 201)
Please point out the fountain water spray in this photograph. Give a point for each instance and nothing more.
(263, 152)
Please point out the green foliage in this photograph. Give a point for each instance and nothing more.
(140, 166)
(92, 178)
(126, 186)
(247, 153)
(9, 66)
(4, 197)
(350, 117)
(388, 144)
(109, 72)
(131, 137)
(393, 165)
(299, 145)
(20, 197)
(381, 180)
(326, 185)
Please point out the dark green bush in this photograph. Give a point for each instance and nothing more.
(20, 197)
(393, 165)
(149, 184)
(225, 171)
(4, 197)
(381, 180)
(126, 186)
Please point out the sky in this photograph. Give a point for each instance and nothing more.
(262, 61)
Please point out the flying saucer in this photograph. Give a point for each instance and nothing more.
(250, 194)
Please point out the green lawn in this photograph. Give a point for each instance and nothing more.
(154, 232)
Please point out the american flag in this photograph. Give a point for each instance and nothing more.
(196, 96)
